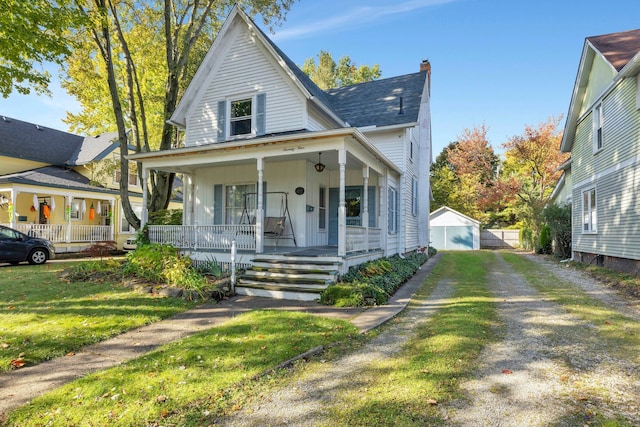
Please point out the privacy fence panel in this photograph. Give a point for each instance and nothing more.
(499, 239)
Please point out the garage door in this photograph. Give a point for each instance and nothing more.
(452, 238)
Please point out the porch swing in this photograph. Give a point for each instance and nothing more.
(274, 227)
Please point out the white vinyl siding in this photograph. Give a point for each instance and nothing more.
(246, 69)
(614, 173)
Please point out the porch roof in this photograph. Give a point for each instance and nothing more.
(55, 177)
(266, 141)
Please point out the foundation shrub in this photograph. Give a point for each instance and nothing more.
(373, 282)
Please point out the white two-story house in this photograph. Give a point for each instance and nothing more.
(293, 174)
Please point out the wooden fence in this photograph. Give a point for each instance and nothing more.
(499, 239)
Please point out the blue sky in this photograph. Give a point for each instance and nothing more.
(505, 63)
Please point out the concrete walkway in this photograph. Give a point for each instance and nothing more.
(20, 386)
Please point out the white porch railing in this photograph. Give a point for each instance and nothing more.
(219, 237)
(65, 233)
(361, 239)
(204, 236)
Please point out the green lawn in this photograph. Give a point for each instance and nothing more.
(42, 317)
(217, 372)
(194, 381)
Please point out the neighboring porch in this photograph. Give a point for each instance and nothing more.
(71, 221)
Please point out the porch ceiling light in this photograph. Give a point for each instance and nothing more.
(319, 166)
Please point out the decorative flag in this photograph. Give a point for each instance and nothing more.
(45, 210)
(53, 203)
(92, 212)
(35, 202)
(99, 208)
(84, 206)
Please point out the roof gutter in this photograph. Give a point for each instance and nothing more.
(373, 129)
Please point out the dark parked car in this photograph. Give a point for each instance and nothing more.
(16, 247)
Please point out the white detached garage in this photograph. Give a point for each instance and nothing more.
(453, 231)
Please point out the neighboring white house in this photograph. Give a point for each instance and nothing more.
(451, 230)
(275, 164)
(602, 133)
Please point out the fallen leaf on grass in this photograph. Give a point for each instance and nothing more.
(71, 353)
(5, 345)
(507, 371)
(18, 363)
(432, 402)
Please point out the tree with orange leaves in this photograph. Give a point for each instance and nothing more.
(533, 159)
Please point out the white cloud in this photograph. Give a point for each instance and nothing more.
(360, 15)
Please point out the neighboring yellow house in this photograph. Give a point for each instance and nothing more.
(64, 187)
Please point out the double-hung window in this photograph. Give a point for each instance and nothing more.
(125, 227)
(589, 211)
(393, 210)
(598, 124)
(235, 202)
(133, 171)
(242, 117)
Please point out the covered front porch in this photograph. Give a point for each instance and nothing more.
(294, 192)
(69, 219)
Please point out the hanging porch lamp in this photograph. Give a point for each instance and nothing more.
(319, 166)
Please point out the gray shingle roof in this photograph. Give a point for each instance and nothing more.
(23, 140)
(29, 141)
(95, 148)
(378, 102)
(54, 177)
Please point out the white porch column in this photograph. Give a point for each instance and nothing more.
(342, 206)
(365, 203)
(67, 215)
(112, 222)
(260, 208)
(13, 199)
(384, 210)
(145, 209)
(189, 200)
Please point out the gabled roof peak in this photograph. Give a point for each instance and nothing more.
(617, 48)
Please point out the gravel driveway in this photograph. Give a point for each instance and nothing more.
(547, 364)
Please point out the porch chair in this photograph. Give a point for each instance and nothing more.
(274, 227)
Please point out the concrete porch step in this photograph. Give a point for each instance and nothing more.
(279, 274)
(295, 294)
(289, 286)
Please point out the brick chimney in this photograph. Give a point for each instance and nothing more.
(425, 65)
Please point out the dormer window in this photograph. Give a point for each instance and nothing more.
(242, 117)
